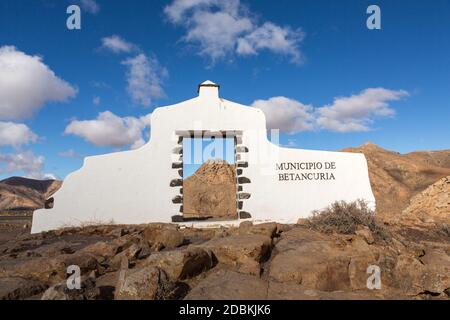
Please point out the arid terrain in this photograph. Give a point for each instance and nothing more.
(211, 191)
(21, 194)
(320, 258)
(396, 178)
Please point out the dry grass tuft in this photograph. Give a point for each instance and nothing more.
(343, 217)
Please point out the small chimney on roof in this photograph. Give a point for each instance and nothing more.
(208, 89)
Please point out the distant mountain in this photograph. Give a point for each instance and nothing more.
(17, 193)
(211, 191)
(396, 178)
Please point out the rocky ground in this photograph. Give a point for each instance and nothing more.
(323, 258)
(269, 261)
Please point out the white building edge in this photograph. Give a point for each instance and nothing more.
(145, 185)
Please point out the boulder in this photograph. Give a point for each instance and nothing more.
(53, 249)
(365, 233)
(131, 253)
(265, 229)
(407, 275)
(87, 291)
(148, 283)
(53, 270)
(106, 285)
(118, 232)
(437, 276)
(196, 235)
(181, 264)
(243, 252)
(108, 248)
(318, 262)
(40, 269)
(15, 288)
(229, 285)
(162, 235)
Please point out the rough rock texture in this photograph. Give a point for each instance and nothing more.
(18, 193)
(181, 264)
(19, 288)
(229, 285)
(245, 252)
(159, 236)
(323, 263)
(395, 177)
(211, 191)
(148, 283)
(87, 291)
(430, 206)
(268, 261)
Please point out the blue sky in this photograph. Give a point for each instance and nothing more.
(320, 75)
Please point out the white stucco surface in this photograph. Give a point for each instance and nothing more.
(133, 187)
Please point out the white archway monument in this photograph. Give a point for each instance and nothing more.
(274, 184)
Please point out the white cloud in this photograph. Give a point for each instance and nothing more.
(345, 114)
(357, 112)
(216, 32)
(49, 176)
(117, 44)
(144, 77)
(91, 6)
(286, 114)
(111, 130)
(26, 84)
(177, 10)
(223, 28)
(25, 162)
(15, 134)
(282, 40)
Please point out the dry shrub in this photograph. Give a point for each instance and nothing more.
(344, 217)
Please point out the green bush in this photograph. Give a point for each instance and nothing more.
(344, 217)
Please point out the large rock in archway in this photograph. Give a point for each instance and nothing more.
(211, 191)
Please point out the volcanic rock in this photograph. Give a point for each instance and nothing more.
(148, 283)
(211, 191)
(430, 206)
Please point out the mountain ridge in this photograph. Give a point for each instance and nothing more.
(19, 193)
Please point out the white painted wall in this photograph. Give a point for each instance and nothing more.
(132, 187)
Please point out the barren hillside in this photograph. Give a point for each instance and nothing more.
(396, 177)
(430, 206)
(210, 191)
(18, 193)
